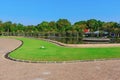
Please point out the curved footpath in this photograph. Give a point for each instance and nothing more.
(96, 70)
(83, 45)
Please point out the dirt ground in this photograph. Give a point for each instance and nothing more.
(94, 70)
(84, 45)
(92, 45)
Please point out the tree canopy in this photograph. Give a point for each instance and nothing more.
(62, 25)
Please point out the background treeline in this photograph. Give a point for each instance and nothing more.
(62, 25)
(62, 30)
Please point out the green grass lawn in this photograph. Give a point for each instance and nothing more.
(31, 50)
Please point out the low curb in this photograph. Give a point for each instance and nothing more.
(7, 54)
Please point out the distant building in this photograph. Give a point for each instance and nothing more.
(88, 33)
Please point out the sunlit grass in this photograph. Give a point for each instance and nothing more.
(31, 50)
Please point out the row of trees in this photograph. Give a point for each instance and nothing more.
(62, 25)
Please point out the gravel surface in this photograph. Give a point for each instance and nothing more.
(95, 70)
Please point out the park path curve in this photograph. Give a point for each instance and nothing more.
(94, 70)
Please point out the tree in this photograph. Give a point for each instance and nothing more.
(7, 26)
(43, 26)
(93, 24)
(13, 28)
(30, 28)
(53, 27)
(63, 24)
(1, 27)
(81, 25)
(109, 26)
(20, 27)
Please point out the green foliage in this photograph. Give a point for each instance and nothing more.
(44, 26)
(110, 26)
(81, 25)
(62, 25)
(94, 24)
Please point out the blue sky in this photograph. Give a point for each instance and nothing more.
(32, 12)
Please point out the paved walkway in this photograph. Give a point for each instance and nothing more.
(85, 45)
(11, 70)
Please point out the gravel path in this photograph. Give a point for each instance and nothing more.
(93, 45)
(84, 45)
(96, 70)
